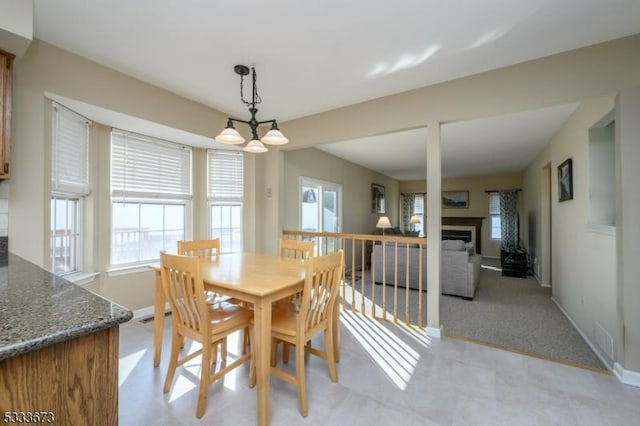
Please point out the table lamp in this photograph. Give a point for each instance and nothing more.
(414, 219)
(383, 223)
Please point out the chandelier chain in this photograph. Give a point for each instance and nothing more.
(256, 98)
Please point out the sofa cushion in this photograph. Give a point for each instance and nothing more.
(457, 245)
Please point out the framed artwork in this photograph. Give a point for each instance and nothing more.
(455, 199)
(565, 180)
(377, 198)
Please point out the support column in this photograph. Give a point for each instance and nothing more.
(434, 228)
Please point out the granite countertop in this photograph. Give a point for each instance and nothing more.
(39, 309)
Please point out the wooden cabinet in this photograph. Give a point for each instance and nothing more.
(6, 75)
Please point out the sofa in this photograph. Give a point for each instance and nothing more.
(460, 270)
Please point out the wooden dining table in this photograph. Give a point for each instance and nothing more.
(259, 279)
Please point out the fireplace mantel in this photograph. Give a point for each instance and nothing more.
(467, 221)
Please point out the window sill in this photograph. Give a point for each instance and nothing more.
(82, 278)
(115, 271)
(602, 229)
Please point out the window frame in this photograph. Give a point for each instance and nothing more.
(79, 234)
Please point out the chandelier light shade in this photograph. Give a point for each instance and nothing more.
(230, 135)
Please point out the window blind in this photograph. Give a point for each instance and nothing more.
(494, 203)
(225, 175)
(147, 167)
(69, 152)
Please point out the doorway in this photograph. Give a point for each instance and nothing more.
(320, 209)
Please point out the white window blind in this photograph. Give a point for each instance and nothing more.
(225, 175)
(494, 203)
(146, 167)
(70, 152)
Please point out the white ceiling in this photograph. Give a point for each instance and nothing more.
(316, 56)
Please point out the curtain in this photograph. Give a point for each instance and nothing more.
(407, 210)
(509, 219)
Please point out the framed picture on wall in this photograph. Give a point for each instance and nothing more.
(455, 199)
(377, 198)
(565, 180)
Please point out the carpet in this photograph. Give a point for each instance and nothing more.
(511, 313)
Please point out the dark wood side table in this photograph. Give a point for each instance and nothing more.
(515, 263)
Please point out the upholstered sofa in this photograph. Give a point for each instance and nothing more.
(460, 270)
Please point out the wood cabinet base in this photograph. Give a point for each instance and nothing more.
(76, 380)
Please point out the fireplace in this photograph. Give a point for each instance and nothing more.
(467, 225)
(457, 234)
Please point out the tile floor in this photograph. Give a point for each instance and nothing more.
(387, 376)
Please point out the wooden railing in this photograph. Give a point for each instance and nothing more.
(370, 294)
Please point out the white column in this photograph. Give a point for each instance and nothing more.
(434, 228)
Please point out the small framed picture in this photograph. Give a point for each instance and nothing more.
(377, 198)
(455, 199)
(565, 180)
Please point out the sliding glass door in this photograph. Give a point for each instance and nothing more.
(320, 209)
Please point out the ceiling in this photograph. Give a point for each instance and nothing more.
(316, 56)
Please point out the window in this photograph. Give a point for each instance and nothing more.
(151, 195)
(69, 187)
(225, 192)
(321, 211)
(494, 211)
(418, 210)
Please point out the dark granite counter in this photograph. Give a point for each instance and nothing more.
(39, 309)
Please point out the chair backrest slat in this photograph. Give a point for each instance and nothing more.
(201, 248)
(183, 286)
(321, 287)
(296, 249)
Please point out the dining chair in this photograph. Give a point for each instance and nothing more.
(294, 249)
(207, 249)
(297, 325)
(196, 319)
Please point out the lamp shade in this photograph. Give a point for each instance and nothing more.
(383, 222)
(274, 137)
(231, 136)
(255, 146)
(414, 219)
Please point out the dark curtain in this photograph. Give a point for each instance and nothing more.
(407, 210)
(509, 219)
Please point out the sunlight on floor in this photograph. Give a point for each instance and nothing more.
(127, 364)
(396, 359)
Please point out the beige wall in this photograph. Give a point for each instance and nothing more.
(584, 259)
(356, 189)
(47, 69)
(478, 200)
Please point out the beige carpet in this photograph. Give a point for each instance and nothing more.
(517, 314)
(507, 312)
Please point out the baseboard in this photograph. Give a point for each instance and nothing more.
(593, 347)
(628, 377)
(434, 332)
(147, 312)
(541, 283)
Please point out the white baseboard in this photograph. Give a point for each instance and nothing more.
(541, 283)
(593, 347)
(628, 377)
(147, 312)
(434, 332)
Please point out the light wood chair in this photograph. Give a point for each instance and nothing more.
(207, 249)
(294, 249)
(198, 320)
(297, 326)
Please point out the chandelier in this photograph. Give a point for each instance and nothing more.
(231, 136)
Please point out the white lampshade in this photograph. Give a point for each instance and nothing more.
(255, 146)
(383, 222)
(274, 137)
(231, 136)
(414, 219)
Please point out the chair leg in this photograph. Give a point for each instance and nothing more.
(252, 362)
(223, 349)
(274, 351)
(176, 342)
(331, 353)
(205, 372)
(300, 379)
(285, 352)
(246, 340)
